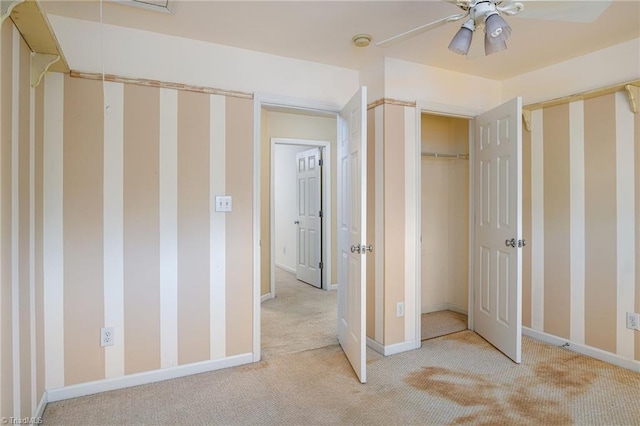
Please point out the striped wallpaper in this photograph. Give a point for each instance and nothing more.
(391, 222)
(581, 174)
(21, 299)
(131, 241)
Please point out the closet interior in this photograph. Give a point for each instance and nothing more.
(445, 224)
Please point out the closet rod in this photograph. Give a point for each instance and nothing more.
(437, 155)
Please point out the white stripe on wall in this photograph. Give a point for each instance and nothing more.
(168, 228)
(410, 219)
(577, 221)
(537, 221)
(217, 186)
(626, 216)
(15, 215)
(379, 225)
(52, 234)
(114, 228)
(32, 244)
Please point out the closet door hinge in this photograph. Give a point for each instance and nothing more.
(320, 213)
(320, 265)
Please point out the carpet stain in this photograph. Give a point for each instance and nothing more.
(537, 399)
(538, 409)
(565, 376)
(466, 389)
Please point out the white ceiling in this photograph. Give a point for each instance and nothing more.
(321, 31)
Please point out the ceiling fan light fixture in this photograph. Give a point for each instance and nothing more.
(496, 28)
(461, 42)
(491, 47)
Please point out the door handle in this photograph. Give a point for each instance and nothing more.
(515, 243)
(297, 222)
(362, 249)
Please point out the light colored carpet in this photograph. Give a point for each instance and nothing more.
(299, 318)
(456, 379)
(441, 323)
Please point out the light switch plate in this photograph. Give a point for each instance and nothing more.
(224, 203)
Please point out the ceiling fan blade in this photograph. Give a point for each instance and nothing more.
(570, 11)
(421, 29)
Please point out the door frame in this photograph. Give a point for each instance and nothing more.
(456, 112)
(325, 255)
(261, 100)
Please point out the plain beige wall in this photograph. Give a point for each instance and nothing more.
(276, 124)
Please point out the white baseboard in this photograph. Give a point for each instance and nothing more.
(286, 268)
(583, 349)
(392, 349)
(41, 406)
(378, 347)
(333, 287)
(265, 297)
(444, 307)
(83, 389)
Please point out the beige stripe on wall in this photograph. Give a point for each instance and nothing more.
(82, 227)
(24, 236)
(636, 125)
(600, 229)
(557, 278)
(141, 229)
(526, 227)
(394, 214)
(39, 278)
(193, 227)
(371, 222)
(239, 255)
(6, 322)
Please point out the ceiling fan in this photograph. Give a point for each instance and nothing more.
(488, 15)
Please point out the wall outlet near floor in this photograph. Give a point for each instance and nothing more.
(400, 309)
(633, 321)
(106, 336)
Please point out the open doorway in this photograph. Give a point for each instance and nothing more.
(296, 316)
(445, 224)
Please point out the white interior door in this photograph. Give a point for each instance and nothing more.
(308, 238)
(352, 192)
(497, 307)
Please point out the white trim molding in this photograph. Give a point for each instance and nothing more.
(583, 349)
(138, 379)
(444, 307)
(396, 348)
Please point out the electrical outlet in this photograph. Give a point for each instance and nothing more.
(106, 336)
(633, 321)
(400, 309)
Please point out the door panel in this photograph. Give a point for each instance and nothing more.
(308, 244)
(352, 232)
(498, 204)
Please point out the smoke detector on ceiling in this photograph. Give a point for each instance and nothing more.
(361, 40)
